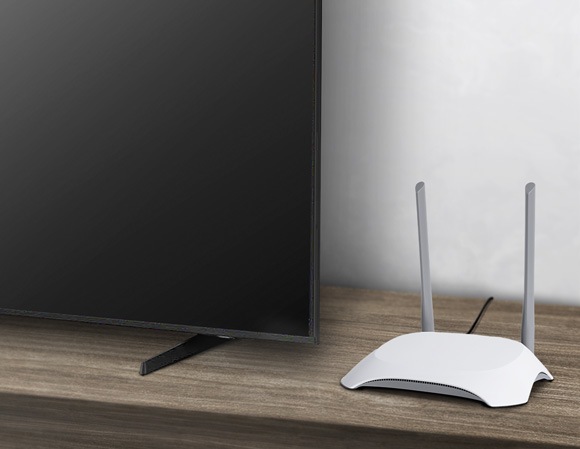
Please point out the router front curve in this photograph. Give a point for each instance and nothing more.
(425, 387)
(369, 371)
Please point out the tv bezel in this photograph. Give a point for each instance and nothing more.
(314, 293)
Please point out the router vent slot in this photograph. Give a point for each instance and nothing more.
(421, 382)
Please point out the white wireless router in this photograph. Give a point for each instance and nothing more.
(497, 371)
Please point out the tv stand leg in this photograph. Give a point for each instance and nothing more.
(188, 348)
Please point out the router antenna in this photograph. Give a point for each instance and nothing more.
(427, 321)
(528, 323)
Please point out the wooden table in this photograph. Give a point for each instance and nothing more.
(73, 385)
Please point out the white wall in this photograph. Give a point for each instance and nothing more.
(474, 97)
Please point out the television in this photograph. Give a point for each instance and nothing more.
(160, 164)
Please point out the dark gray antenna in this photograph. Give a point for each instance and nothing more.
(427, 321)
(528, 321)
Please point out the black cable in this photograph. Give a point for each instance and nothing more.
(480, 316)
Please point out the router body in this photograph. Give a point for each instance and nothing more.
(494, 370)
(497, 371)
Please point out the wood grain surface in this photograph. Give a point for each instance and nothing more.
(66, 384)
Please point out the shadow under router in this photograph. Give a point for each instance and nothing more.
(497, 371)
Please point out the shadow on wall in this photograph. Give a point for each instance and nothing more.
(474, 98)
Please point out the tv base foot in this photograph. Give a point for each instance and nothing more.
(194, 345)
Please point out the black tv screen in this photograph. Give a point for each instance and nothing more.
(159, 164)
